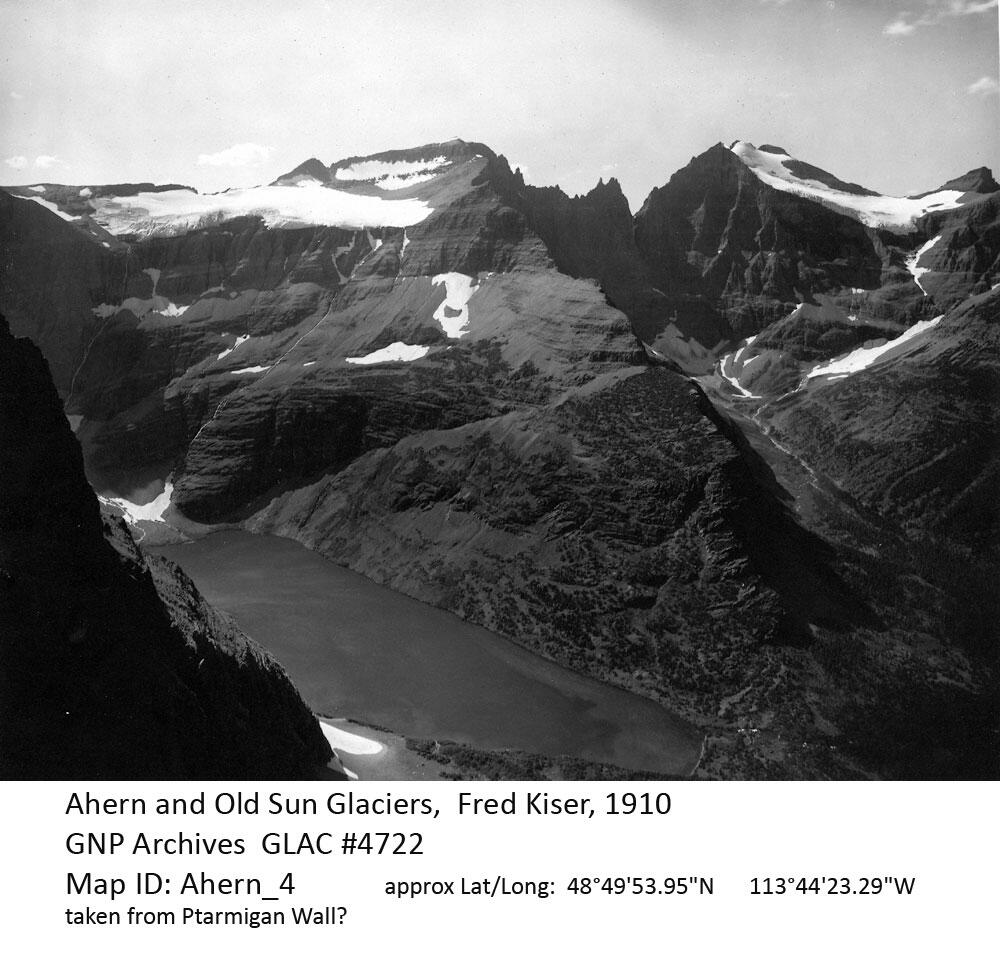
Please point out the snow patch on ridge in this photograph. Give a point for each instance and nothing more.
(890, 212)
(51, 206)
(177, 211)
(251, 370)
(141, 307)
(458, 290)
(152, 511)
(912, 262)
(396, 352)
(863, 358)
(349, 743)
(172, 310)
(239, 341)
(392, 175)
(731, 365)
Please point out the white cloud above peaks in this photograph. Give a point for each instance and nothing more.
(960, 8)
(984, 86)
(900, 27)
(242, 154)
(47, 162)
(936, 12)
(17, 162)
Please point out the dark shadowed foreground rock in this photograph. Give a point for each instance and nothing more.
(111, 664)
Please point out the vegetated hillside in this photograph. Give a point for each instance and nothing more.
(111, 664)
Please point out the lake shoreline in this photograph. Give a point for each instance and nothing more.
(357, 648)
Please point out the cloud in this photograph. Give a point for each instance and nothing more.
(14, 95)
(936, 12)
(959, 8)
(899, 28)
(242, 154)
(17, 162)
(984, 86)
(47, 162)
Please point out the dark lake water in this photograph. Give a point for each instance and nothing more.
(357, 649)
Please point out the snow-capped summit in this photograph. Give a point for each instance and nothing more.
(311, 204)
(396, 189)
(775, 167)
(391, 171)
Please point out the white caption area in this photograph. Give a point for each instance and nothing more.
(560, 883)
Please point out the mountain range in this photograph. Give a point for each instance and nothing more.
(736, 452)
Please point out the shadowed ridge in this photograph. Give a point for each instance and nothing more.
(112, 666)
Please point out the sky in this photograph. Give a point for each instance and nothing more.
(898, 95)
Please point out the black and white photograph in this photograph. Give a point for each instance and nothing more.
(594, 391)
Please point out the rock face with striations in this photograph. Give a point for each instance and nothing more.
(111, 664)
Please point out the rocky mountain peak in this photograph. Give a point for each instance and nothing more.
(974, 181)
(775, 162)
(400, 168)
(311, 168)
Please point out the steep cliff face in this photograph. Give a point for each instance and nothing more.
(112, 664)
(715, 231)
(51, 277)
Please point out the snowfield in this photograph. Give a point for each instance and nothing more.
(172, 310)
(177, 211)
(888, 212)
(912, 263)
(731, 365)
(397, 175)
(458, 290)
(240, 339)
(396, 352)
(348, 743)
(863, 358)
(51, 206)
(153, 511)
